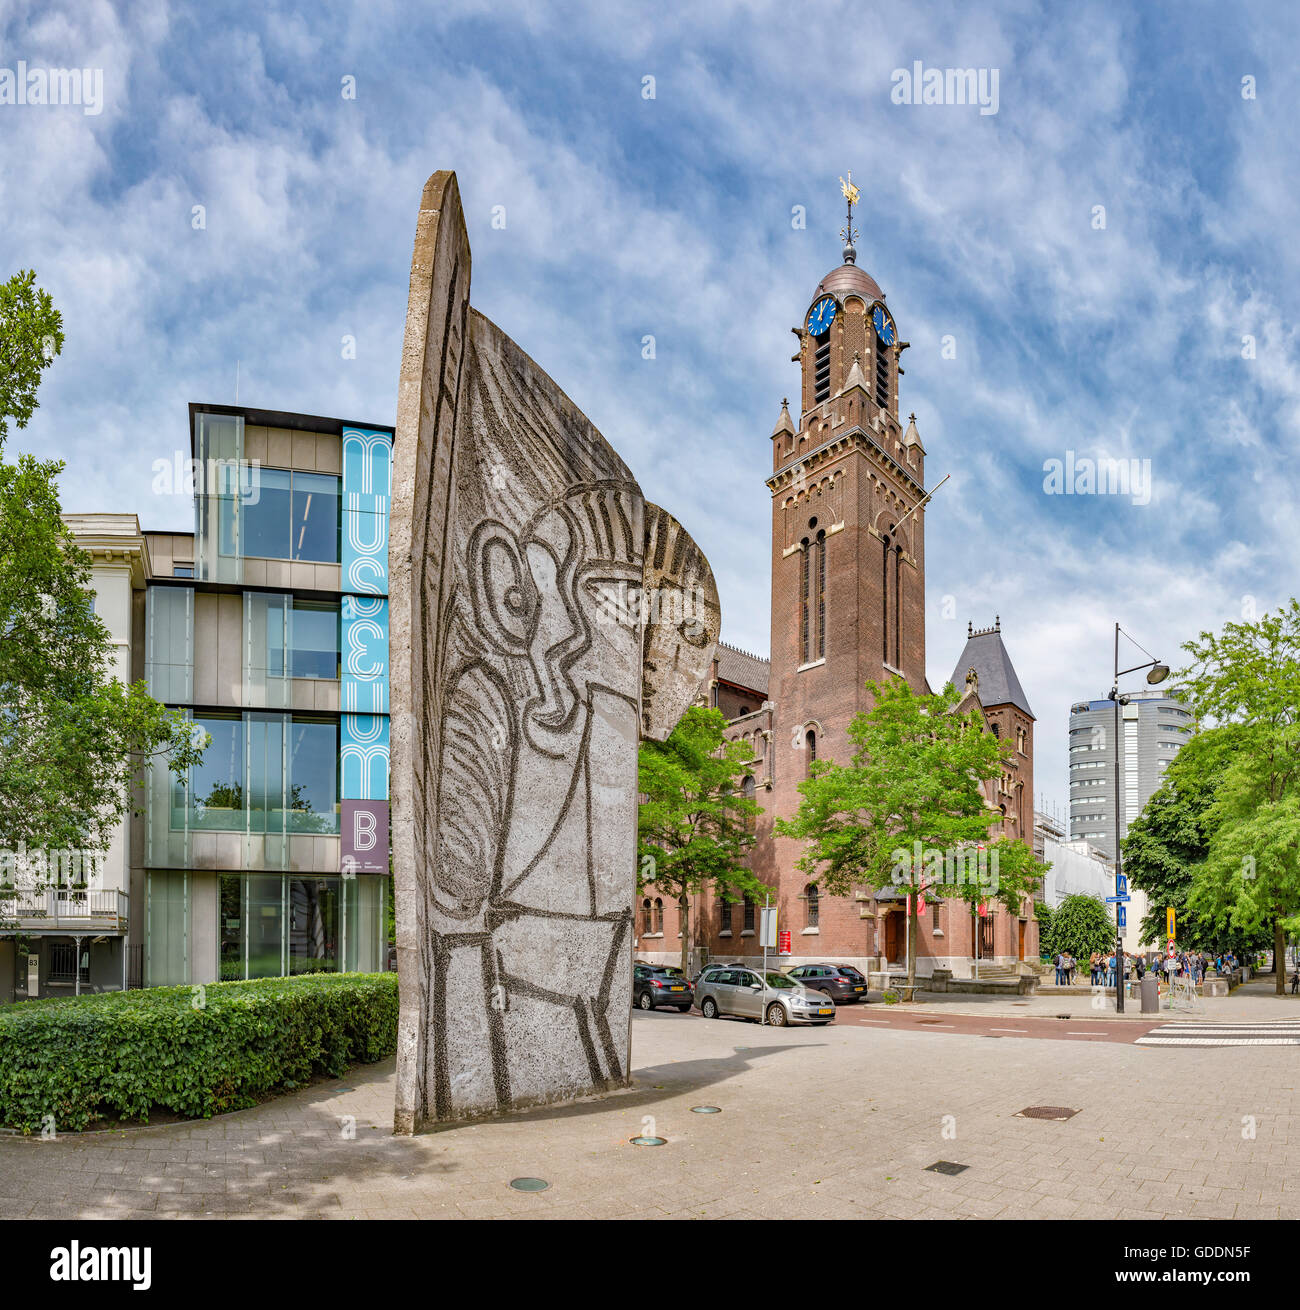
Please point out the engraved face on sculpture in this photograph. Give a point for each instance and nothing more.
(535, 645)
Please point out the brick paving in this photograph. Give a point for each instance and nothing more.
(846, 1117)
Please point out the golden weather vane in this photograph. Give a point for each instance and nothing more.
(848, 232)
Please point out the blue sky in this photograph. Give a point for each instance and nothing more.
(627, 216)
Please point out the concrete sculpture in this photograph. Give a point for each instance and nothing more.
(543, 617)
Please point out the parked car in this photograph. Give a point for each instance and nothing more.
(841, 982)
(654, 986)
(784, 1000)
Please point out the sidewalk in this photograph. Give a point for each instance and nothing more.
(1252, 1002)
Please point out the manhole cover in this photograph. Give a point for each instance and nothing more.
(1057, 1112)
(649, 1141)
(706, 1109)
(529, 1184)
(945, 1167)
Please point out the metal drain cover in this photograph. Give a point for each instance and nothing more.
(1056, 1112)
(706, 1109)
(648, 1141)
(529, 1184)
(946, 1167)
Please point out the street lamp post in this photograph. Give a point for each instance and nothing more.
(1157, 673)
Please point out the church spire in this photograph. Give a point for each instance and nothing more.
(848, 232)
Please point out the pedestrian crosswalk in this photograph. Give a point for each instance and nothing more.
(1278, 1032)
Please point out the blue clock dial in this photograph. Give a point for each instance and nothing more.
(821, 316)
(884, 325)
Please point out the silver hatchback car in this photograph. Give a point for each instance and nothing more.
(734, 990)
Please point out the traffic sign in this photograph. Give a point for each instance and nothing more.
(767, 925)
(1123, 919)
(1118, 900)
(1121, 884)
(1169, 922)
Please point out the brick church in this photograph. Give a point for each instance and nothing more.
(848, 604)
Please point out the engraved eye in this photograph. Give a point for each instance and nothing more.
(505, 597)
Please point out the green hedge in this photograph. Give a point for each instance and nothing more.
(195, 1051)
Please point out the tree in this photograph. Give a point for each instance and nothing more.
(908, 810)
(31, 335)
(1046, 945)
(68, 729)
(1081, 925)
(1247, 678)
(695, 825)
(1169, 841)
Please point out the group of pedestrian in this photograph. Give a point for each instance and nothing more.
(1103, 968)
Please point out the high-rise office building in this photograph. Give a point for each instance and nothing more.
(1153, 726)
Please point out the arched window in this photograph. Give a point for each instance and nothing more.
(724, 914)
(749, 913)
(805, 609)
(658, 916)
(647, 917)
(821, 595)
(995, 730)
(812, 903)
(810, 751)
(747, 790)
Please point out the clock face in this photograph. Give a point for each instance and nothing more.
(821, 315)
(884, 325)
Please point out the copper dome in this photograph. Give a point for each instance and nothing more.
(849, 279)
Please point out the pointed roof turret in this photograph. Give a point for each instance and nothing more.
(855, 378)
(912, 437)
(986, 658)
(784, 424)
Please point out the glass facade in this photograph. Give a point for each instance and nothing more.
(267, 859)
(289, 514)
(263, 774)
(273, 927)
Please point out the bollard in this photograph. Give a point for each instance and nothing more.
(1150, 994)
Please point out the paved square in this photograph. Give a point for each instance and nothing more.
(848, 1115)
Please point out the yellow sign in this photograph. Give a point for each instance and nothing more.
(1169, 921)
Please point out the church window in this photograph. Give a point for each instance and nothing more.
(810, 750)
(749, 914)
(724, 914)
(747, 789)
(882, 375)
(805, 635)
(647, 918)
(821, 595)
(997, 732)
(657, 921)
(813, 906)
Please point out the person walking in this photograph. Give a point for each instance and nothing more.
(1056, 964)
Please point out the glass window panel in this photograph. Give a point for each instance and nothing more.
(230, 927)
(266, 783)
(315, 640)
(266, 522)
(167, 960)
(264, 925)
(313, 925)
(315, 527)
(313, 776)
(215, 796)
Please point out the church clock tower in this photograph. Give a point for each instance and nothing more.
(848, 525)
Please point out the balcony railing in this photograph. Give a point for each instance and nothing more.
(62, 910)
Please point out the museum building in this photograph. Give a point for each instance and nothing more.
(267, 628)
